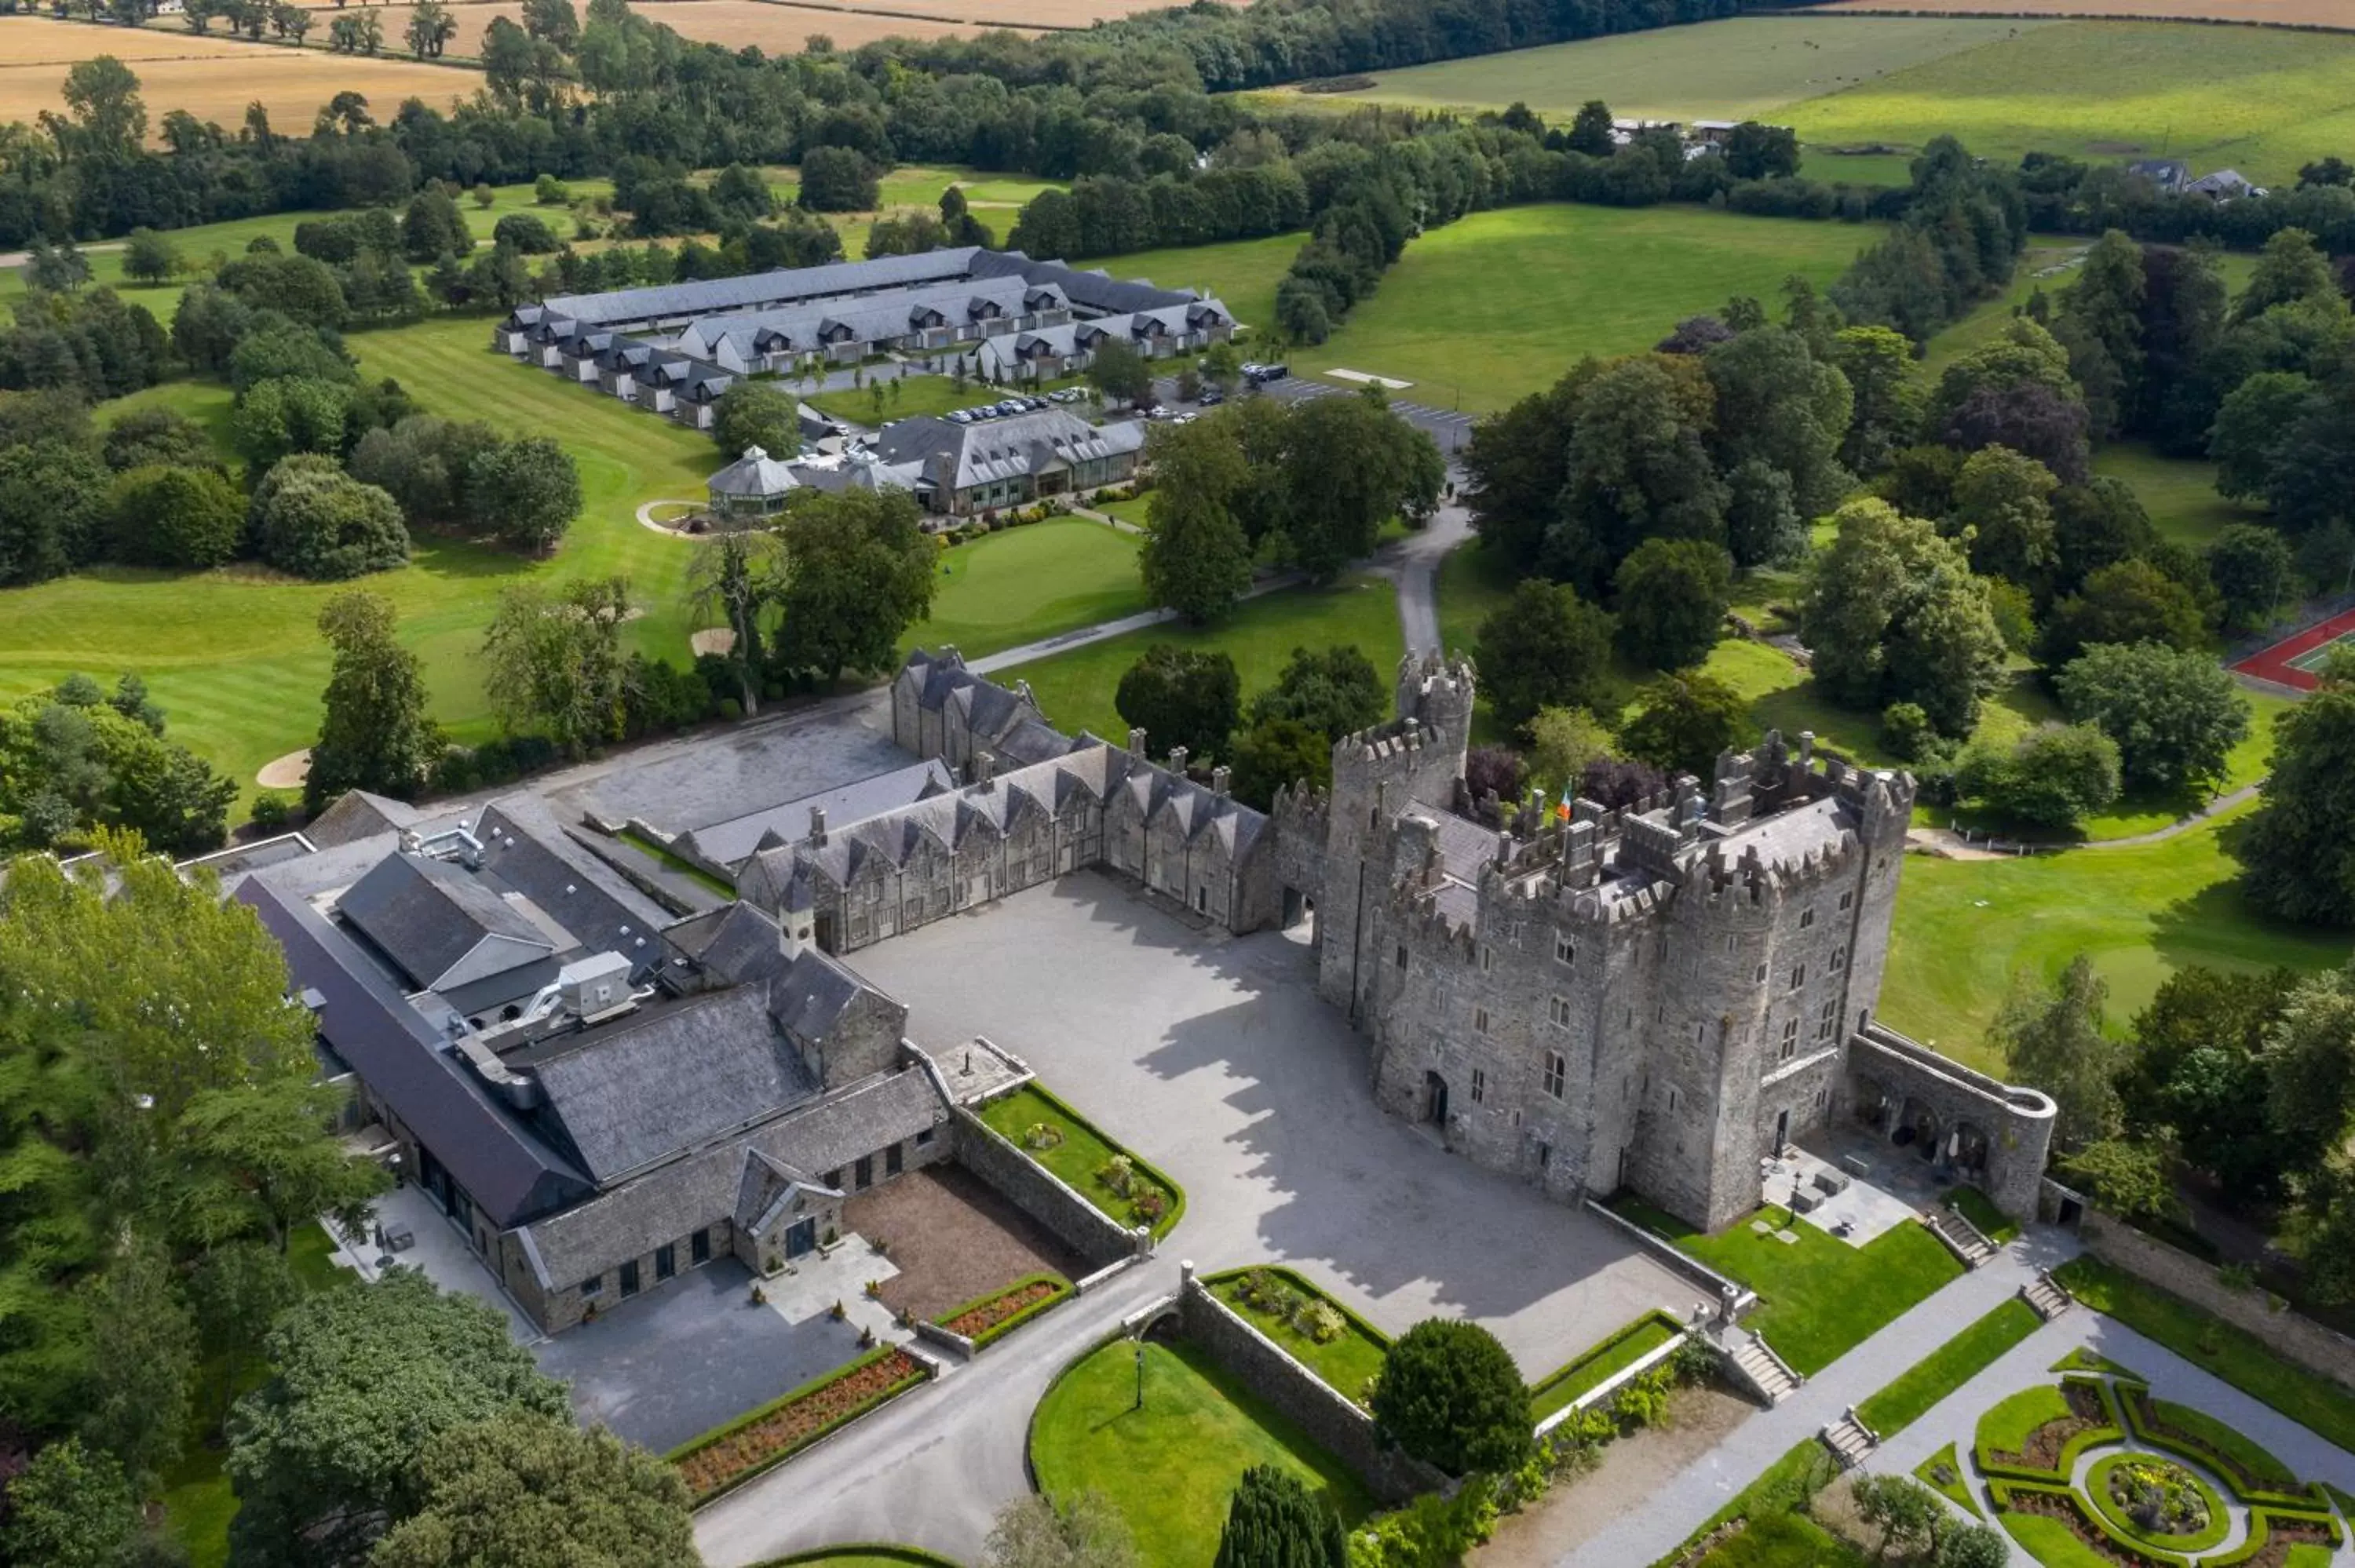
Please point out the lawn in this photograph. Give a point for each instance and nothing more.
(2259, 100)
(1735, 69)
(1592, 1368)
(904, 398)
(1942, 1471)
(1078, 1151)
(1134, 510)
(1979, 1209)
(1170, 1465)
(2005, 1428)
(1348, 1362)
(2238, 1358)
(1818, 1297)
(1947, 1368)
(1502, 304)
(1241, 272)
(1784, 1540)
(1966, 929)
(2179, 493)
(1021, 583)
(1075, 689)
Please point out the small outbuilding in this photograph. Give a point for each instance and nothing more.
(755, 485)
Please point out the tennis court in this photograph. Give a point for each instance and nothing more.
(2295, 660)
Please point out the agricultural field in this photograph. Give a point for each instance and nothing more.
(1716, 71)
(780, 30)
(1016, 14)
(2261, 12)
(1501, 305)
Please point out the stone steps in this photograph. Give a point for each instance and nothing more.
(1849, 1440)
(2047, 1296)
(1765, 1371)
(1964, 1239)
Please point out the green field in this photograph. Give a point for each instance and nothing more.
(1031, 582)
(2259, 100)
(1075, 689)
(1734, 69)
(1502, 304)
(1241, 272)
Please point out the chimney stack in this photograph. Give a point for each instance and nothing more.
(984, 767)
(818, 826)
(1177, 760)
(1136, 742)
(1219, 777)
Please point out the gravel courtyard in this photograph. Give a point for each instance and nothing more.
(952, 1239)
(1211, 1056)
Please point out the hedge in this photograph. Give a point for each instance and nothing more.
(2003, 1492)
(694, 1446)
(2070, 1451)
(889, 1550)
(2256, 1477)
(1061, 1293)
(1598, 1363)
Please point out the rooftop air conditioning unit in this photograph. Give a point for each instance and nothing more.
(596, 984)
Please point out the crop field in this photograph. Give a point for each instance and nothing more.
(27, 41)
(1501, 303)
(1716, 71)
(2259, 100)
(781, 29)
(1016, 14)
(212, 79)
(2264, 13)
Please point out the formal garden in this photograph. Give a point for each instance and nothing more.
(1087, 1159)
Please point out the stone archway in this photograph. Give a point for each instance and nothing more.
(1917, 1128)
(1965, 1150)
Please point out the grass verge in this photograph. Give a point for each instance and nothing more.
(1979, 1209)
(1946, 1369)
(1941, 1472)
(1348, 1361)
(1079, 1150)
(1593, 1367)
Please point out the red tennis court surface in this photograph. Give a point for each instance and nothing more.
(2293, 660)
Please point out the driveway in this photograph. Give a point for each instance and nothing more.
(680, 1359)
(1213, 1057)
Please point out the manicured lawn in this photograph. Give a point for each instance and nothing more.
(1722, 70)
(1170, 1467)
(1502, 304)
(2083, 1360)
(1473, 584)
(1946, 1464)
(1130, 509)
(1348, 1362)
(1022, 584)
(1241, 272)
(1979, 1209)
(1075, 689)
(1597, 1366)
(2252, 1458)
(1082, 1150)
(1819, 1297)
(2049, 1540)
(1965, 930)
(2005, 1428)
(1784, 1540)
(904, 398)
(2259, 100)
(1949, 1367)
(2179, 493)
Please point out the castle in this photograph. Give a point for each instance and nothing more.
(1654, 998)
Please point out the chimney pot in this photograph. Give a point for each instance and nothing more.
(1135, 742)
(1177, 760)
(817, 825)
(1219, 777)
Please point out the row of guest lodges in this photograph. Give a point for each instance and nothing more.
(675, 349)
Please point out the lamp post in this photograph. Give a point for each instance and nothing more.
(1140, 1376)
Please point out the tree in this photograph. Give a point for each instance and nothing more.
(366, 1387)
(1759, 152)
(2309, 1060)
(1776, 404)
(70, 1507)
(1544, 646)
(1449, 1394)
(1335, 692)
(2127, 1177)
(2253, 424)
(2198, 1075)
(2003, 502)
(182, 517)
(837, 179)
(1083, 1531)
(1120, 373)
(140, 1388)
(145, 436)
(149, 257)
(859, 572)
(1273, 1522)
(525, 231)
(374, 730)
(1671, 601)
(110, 120)
(431, 27)
(2291, 269)
(290, 414)
(526, 491)
(555, 660)
(235, 1292)
(1683, 722)
(431, 225)
(520, 1487)
(1195, 558)
(2298, 849)
(1182, 696)
(756, 414)
(735, 577)
(1894, 613)
(2052, 776)
(1639, 467)
(313, 519)
(2054, 1042)
(1907, 1513)
(1589, 129)
(1885, 396)
(2175, 716)
(1279, 754)
(2133, 601)
(2252, 569)
(1350, 465)
(1564, 743)
(58, 268)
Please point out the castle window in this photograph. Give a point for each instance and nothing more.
(1700, 1033)
(1488, 958)
(1564, 951)
(1675, 1101)
(1479, 1085)
(1557, 1009)
(1761, 976)
(1820, 1096)
(1806, 918)
(1545, 1155)
(1830, 1017)
(1480, 1019)
(1847, 898)
(1790, 1038)
(1729, 941)
(1839, 959)
(1555, 1070)
(1401, 955)
(1798, 976)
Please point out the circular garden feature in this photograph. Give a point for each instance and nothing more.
(2096, 1473)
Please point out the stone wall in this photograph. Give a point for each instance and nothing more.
(1891, 1077)
(1037, 1193)
(2321, 1351)
(1343, 1429)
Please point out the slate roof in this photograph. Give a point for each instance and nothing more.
(961, 456)
(780, 286)
(1094, 288)
(511, 1172)
(734, 841)
(735, 943)
(525, 847)
(640, 1090)
(754, 473)
(810, 996)
(803, 327)
(357, 814)
(442, 926)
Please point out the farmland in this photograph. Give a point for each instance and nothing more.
(2261, 12)
(1501, 305)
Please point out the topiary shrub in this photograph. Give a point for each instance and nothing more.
(1450, 1396)
(1273, 1521)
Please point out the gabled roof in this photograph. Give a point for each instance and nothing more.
(526, 848)
(733, 842)
(735, 943)
(443, 927)
(355, 815)
(813, 993)
(961, 456)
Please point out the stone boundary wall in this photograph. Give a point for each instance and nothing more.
(1105, 1275)
(1039, 1194)
(2321, 1351)
(1721, 1290)
(1615, 1383)
(1341, 1427)
(935, 1334)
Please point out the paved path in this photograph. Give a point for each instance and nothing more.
(1412, 563)
(1954, 846)
(932, 1468)
(1066, 641)
(1684, 1502)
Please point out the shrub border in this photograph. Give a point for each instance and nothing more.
(1161, 1227)
(1302, 1284)
(1062, 1293)
(1604, 1347)
(2219, 1519)
(694, 1446)
(2223, 1464)
(2071, 1451)
(2003, 1492)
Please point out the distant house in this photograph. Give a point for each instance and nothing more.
(2223, 185)
(2169, 175)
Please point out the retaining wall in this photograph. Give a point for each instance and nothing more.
(1039, 1194)
(1342, 1427)
(2322, 1351)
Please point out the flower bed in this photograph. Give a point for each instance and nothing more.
(2156, 1500)
(2050, 1447)
(999, 1313)
(2282, 1541)
(763, 1438)
(2015, 1501)
(2252, 1473)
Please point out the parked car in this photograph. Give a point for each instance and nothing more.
(1211, 397)
(1011, 406)
(1156, 412)
(1252, 367)
(1273, 372)
(959, 417)
(1067, 395)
